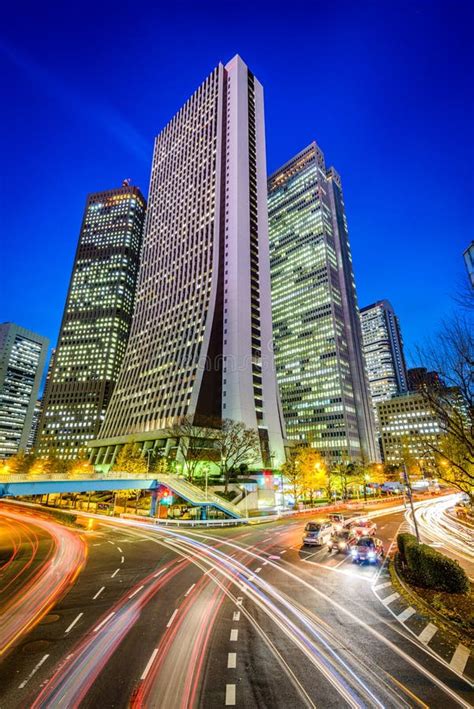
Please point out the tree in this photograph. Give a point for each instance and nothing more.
(130, 460)
(194, 443)
(313, 471)
(452, 402)
(293, 474)
(236, 446)
(19, 464)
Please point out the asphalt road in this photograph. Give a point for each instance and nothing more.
(238, 617)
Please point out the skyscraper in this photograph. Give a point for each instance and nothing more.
(22, 360)
(469, 261)
(201, 339)
(96, 321)
(383, 349)
(320, 366)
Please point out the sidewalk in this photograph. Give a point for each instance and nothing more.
(442, 643)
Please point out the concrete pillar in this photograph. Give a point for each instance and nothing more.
(154, 501)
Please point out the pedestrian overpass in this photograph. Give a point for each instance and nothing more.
(25, 486)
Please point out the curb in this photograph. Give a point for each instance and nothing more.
(440, 642)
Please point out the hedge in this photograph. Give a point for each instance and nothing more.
(431, 569)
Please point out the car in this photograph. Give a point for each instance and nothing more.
(342, 541)
(368, 549)
(363, 527)
(317, 533)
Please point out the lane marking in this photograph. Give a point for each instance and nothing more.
(407, 613)
(159, 572)
(427, 633)
(115, 573)
(234, 635)
(236, 616)
(284, 551)
(122, 559)
(389, 599)
(230, 695)
(137, 590)
(268, 539)
(265, 563)
(460, 658)
(274, 557)
(104, 621)
(33, 671)
(119, 549)
(383, 585)
(113, 543)
(239, 600)
(257, 571)
(71, 626)
(172, 618)
(98, 593)
(149, 663)
(231, 660)
(189, 590)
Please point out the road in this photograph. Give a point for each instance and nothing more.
(236, 617)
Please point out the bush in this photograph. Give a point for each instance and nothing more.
(431, 569)
(61, 516)
(403, 540)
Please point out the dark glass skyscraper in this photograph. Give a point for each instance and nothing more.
(320, 367)
(22, 360)
(96, 321)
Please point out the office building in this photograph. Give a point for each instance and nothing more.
(420, 377)
(200, 346)
(35, 419)
(469, 261)
(382, 345)
(96, 321)
(316, 328)
(22, 360)
(407, 424)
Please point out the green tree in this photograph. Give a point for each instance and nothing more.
(130, 460)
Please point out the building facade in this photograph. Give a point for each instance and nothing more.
(469, 261)
(22, 360)
(96, 321)
(406, 424)
(383, 350)
(201, 341)
(316, 329)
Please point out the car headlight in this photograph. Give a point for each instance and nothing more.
(371, 555)
(354, 552)
(342, 545)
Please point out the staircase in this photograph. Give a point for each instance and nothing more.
(193, 494)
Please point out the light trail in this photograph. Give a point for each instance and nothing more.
(48, 583)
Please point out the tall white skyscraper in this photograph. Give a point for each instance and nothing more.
(319, 362)
(201, 338)
(383, 349)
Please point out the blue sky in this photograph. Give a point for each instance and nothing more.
(385, 88)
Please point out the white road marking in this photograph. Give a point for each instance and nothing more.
(119, 549)
(268, 539)
(383, 585)
(389, 599)
(407, 613)
(274, 557)
(236, 616)
(460, 658)
(239, 600)
(33, 671)
(149, 663)
(230, 695)
(172, 618)
(231, 660)
(427, 633)
(122, 559)
(98, 593)
(189, 590)
(97, 545)
(234, 635)
(137, 590)
(71, 626)
(113, 543)
(257, 571)
(115, 573)
(159, 572)
(284, 551)
(265, 563)
(104, 621)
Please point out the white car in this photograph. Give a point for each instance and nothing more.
(317, 533)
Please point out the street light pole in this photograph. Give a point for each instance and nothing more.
(410, 497)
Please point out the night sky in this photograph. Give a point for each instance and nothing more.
(385, 88)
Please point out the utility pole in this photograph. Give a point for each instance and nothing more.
(410, 497)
